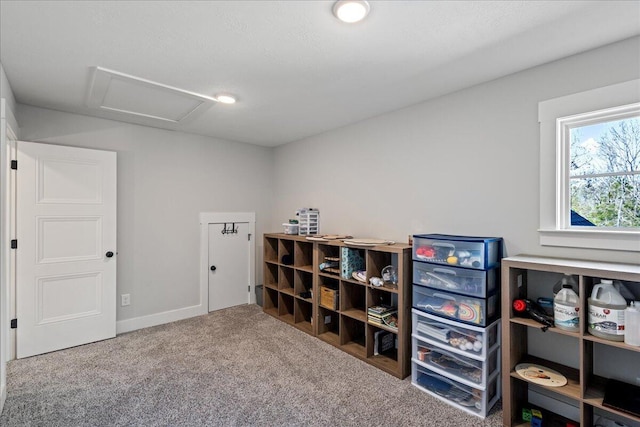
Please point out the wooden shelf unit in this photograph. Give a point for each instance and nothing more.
(345, 326)
(584, 389)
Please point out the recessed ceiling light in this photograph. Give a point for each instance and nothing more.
(351, 11)
(226, 98)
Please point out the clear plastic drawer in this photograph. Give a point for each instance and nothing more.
(472, 341)
(480, 253)
(454, 365)
(477, 283)
(476, 311)
(469, 399)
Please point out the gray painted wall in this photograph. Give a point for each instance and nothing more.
(466, 163)
(165, 179)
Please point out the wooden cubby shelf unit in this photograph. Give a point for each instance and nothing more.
(292, 267)
(522, 277)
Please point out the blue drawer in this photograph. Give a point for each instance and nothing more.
(481, 253)
(476, 283)
(463, 308)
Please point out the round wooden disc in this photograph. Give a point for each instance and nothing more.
(541, 375)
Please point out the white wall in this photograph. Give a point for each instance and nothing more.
(466, 163)
(165, 179)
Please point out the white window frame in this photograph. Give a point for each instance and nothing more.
(555, 117)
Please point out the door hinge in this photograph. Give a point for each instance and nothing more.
(249, 237)
(14, 323)
(249, 288)
(14, 244)
(14, 164)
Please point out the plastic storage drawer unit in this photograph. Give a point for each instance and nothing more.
(469, 399)
(476, 311)
(477, 283)
(480, 253)
(472, 341)
(454, 365)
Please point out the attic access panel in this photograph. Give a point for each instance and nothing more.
(114, 91)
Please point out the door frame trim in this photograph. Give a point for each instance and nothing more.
(207, 218)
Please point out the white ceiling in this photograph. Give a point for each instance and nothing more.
(296, 70)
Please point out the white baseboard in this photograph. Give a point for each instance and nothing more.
(136, 323)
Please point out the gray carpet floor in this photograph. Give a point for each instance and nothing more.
(233, 367)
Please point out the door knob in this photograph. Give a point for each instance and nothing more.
(213, 268)
(109, 254)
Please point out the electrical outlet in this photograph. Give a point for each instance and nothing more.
(125, 299)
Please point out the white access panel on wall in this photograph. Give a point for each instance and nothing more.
(66, 245)
(227, 259)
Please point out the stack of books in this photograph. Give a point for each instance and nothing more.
(383, 315)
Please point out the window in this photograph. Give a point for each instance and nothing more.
(601, 170)
(592, 140)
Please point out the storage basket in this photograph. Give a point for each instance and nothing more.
(329, 298)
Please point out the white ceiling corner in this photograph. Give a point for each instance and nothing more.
(130, 95)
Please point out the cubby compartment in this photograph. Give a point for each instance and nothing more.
(303, 315)
(353, 336)
(559, 352)
(329, 259)
(303, 255)
(351, 261)
(480, 253)
(285, 308)
(471, 341)
(377, 261)
(329, 326)
(353, 300)
(271, 249)
(477, 283)
(303, 284)
(469, 399)
(271, 275)
(329, 292)
(285, 252)
(462, 308)
(381, 296)
(285, 280)
(270, 301)
(382, 345)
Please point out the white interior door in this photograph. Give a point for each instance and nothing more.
(229, 265)
(66, 232)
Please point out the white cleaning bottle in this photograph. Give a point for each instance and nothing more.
(606, 312)
(565, 309)
(632, 324)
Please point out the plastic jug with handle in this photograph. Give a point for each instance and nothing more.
(606, 312)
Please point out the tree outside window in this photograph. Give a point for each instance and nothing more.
(604, 174)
